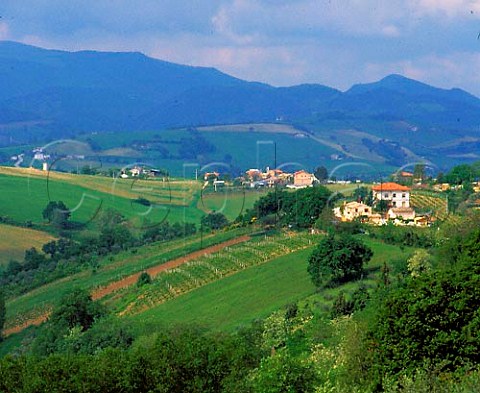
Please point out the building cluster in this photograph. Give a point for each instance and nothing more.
(139, 171)
(255, 178)
(391, 202)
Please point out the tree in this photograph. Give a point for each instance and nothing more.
(338, 259)
(57, 213)
(144, 279)
(3, 312)
(321, 174)
(214, 221)
(419, 263)
(419, 173)
(363, 194)
(77, 309)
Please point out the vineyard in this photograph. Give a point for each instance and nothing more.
(209, 268)
(430, 202)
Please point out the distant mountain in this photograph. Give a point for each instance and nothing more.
(48, 94)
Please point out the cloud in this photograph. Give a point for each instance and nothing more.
(449, 8)
(446, 71)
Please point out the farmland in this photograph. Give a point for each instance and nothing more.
(25, 193)
(39, 301)
(233, 300)
(15, 240)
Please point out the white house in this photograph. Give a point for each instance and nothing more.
(396, 194)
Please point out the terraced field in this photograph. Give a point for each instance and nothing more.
(209, 268)
(35, 305)
(434, 202)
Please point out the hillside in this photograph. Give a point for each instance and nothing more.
(51, 94)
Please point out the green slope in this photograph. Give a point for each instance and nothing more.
(238, 299)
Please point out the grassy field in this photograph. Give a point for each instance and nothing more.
(238, 299)
(259, 290)
(42, 299)
(23, 197)
(232, 204)
(15, 240)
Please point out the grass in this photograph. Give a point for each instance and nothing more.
(42, 299)
(232, 204)
(15, 240)
(23, 198)
(256, 292)
(238, 299)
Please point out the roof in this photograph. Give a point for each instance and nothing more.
(355, 204)
(300, 172)
(390, 187)
(406, 174)
(402, 210)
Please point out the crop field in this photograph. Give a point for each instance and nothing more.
(24, 197)
(233, 300)
(430, 202)
(169, 191)
(238, 299)
(41, 300)
(15, 240)
(209, 268)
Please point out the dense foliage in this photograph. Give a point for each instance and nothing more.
(67, 256)
(338, 259)
(57, 213)
(214, 221)
(299, 209)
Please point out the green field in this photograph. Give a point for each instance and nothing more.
(238, 299)
(23, 197)
(259, 290)
(232, 204)
(15, 240)
(112, 268)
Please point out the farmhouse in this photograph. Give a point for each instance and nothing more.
(353, 210)
(303, 179)
(395, 194)
(403, 213)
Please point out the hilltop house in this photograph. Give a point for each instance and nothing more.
(396, 194)
(303, 179)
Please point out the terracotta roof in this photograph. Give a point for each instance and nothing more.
(301, 171)
(402, 210)
(406, 174)
(390, 187)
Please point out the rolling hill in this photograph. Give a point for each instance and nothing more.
(51, 94)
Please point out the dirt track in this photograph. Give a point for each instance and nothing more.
(132, 279)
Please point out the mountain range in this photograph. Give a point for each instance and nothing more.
(47, 94)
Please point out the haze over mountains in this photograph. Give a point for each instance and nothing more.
(51, 94)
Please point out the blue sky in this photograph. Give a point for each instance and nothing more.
(336, 43)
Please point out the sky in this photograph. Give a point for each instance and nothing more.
(336, 43)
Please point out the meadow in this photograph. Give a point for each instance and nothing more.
(15, 240)
(255, 292)
(24, 193)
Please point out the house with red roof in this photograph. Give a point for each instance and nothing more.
(396, 194)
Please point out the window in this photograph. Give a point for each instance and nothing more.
(394, 195)
(404, 195)
(385, 195)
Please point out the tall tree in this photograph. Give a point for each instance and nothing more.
(57, 213)
(321, 173)
(337, 259)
